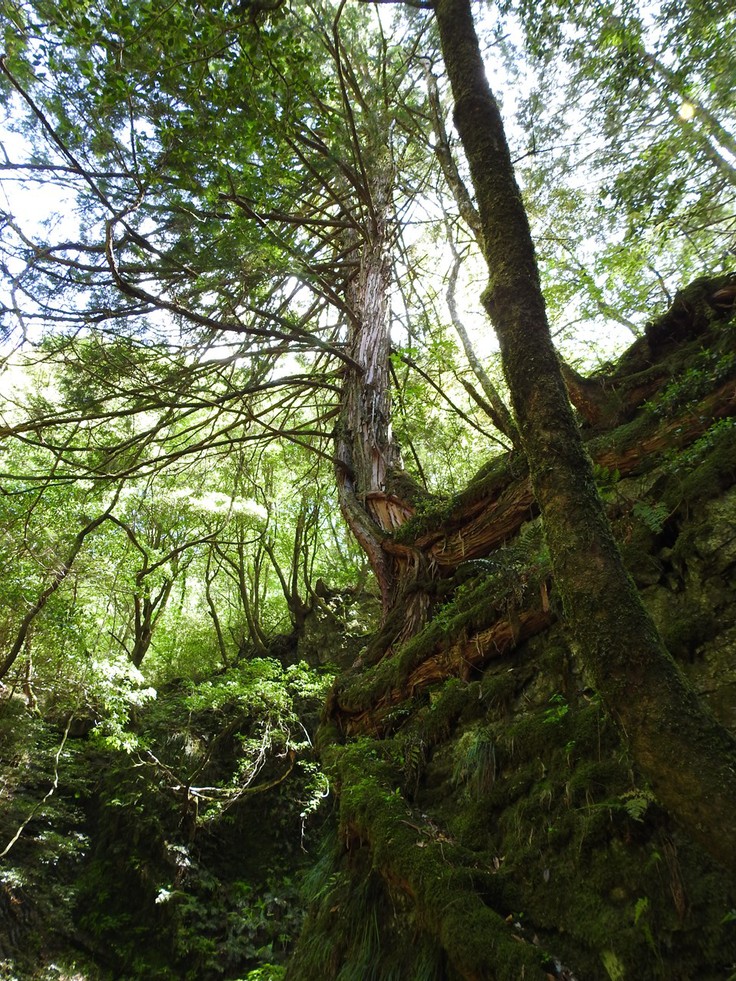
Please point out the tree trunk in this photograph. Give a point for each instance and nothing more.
(689, 758)
(148, 610)
(366, 452)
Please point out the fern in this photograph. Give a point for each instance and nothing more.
(652, 516)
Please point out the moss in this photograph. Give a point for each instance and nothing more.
(614, 968)
(499, 687)
(430, 868)
(361, 691)
(556, 810)
(512, 799)
(446, 705)
(612, 446)
(706, 468)
(539, 732)
(643, 567)
(475, 761)
(683, 633)
(474, 607)
(704, 371)
(436, 516)
(428, 517)
(328, 733)
(595, 780)
(560, 840)
(355, 925)
(691, 313)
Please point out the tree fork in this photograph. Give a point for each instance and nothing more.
(688, 757)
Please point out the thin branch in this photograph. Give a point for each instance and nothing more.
(52, 788)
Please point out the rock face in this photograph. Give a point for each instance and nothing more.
(693, 602)
(336, 629)
(491, 822)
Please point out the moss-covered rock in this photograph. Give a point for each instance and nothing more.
(499, 808)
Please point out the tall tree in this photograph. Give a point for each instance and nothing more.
(688, 756)
(240, 185)
(293, 224)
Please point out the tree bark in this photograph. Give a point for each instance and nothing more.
(366, 453)
(688, 757)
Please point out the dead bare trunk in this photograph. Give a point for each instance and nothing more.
(366, 452)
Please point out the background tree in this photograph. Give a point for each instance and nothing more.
(627, 153)
(308, 194)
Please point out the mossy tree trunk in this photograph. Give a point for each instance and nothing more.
(688, 757)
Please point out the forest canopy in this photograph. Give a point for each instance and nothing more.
(189, 196)
(286, 287)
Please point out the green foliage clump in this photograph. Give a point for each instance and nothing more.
(44, 840)
(174, 837)
(705, 371)
(356, 926)
(706, 467)
(475, 761)
(652, 516)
